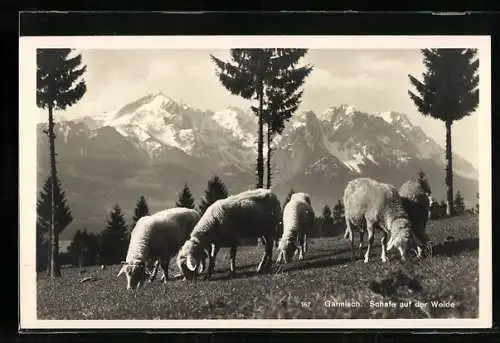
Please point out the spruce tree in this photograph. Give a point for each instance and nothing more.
(185, 198)
(215, 190)
(141, 210)
(459, 204)
(62, 218)
(282, 96)
(327, 221)
(75, 248)
(58, 87)
(250, 72)
(449, 93)
(113, 247)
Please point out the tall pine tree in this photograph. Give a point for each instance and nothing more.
(62, 218)
(185, 198)
(282, 96)
(59, 85)
(250, 72)
(215, 190)
(141, 210)
(113, 247)
(449, 93)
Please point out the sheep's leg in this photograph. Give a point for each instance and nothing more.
(232, 255)
(305, 243)
(156, 265)
(402, 253)
(164, 266)
(267, 257)
(361, 237)
(301, 246)
(350, 237)
(369, 228)
(211, 261)
(383, 242)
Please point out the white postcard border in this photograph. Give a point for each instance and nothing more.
(27, 170)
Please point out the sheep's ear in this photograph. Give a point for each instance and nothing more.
(190, 264)
(122, 270)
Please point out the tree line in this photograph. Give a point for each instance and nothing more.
(274, 79)
(110, 245)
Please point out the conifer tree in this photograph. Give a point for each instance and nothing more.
(477, 203)
(62, 218)
(338, 215)
(114, 238)
(327, 221)
(58, 87)
(459, 204)
(75, 248)
(215, 190)
(141, 210)
(282, 96)
(185, 198)
(247, 76)
(449, 93)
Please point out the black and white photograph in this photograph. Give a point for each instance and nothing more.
(255, 182)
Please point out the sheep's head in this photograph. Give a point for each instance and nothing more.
(135, 273)
(191, 259)
(402, 237)
(287, 249)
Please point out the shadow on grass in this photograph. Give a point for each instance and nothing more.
(455, 247)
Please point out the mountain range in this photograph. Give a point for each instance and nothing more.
(153, 145)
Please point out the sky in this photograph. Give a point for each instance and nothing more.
(370, 80)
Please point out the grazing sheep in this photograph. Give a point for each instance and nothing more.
(417, 200)
(370, 204)
(156, 238)
(298, 220)
(250, 214)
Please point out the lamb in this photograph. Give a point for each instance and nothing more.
(417, 200)
(157, 237)
(250, 214)
(298, 220)
(370, 204)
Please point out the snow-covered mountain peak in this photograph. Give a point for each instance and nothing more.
(396, 118)
(241, 124)
(335, 115)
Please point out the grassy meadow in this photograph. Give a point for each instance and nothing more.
(325, 285)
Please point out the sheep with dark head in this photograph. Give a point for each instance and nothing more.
(370, 204)
(417, 200)
(298, 220)
(156, 239)
(250, 214)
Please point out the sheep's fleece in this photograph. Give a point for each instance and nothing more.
(158, 236)
(298, 220)
(369, 204)
(250, 214)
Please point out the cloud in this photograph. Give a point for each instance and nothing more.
(323, 79)
(373, 63)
